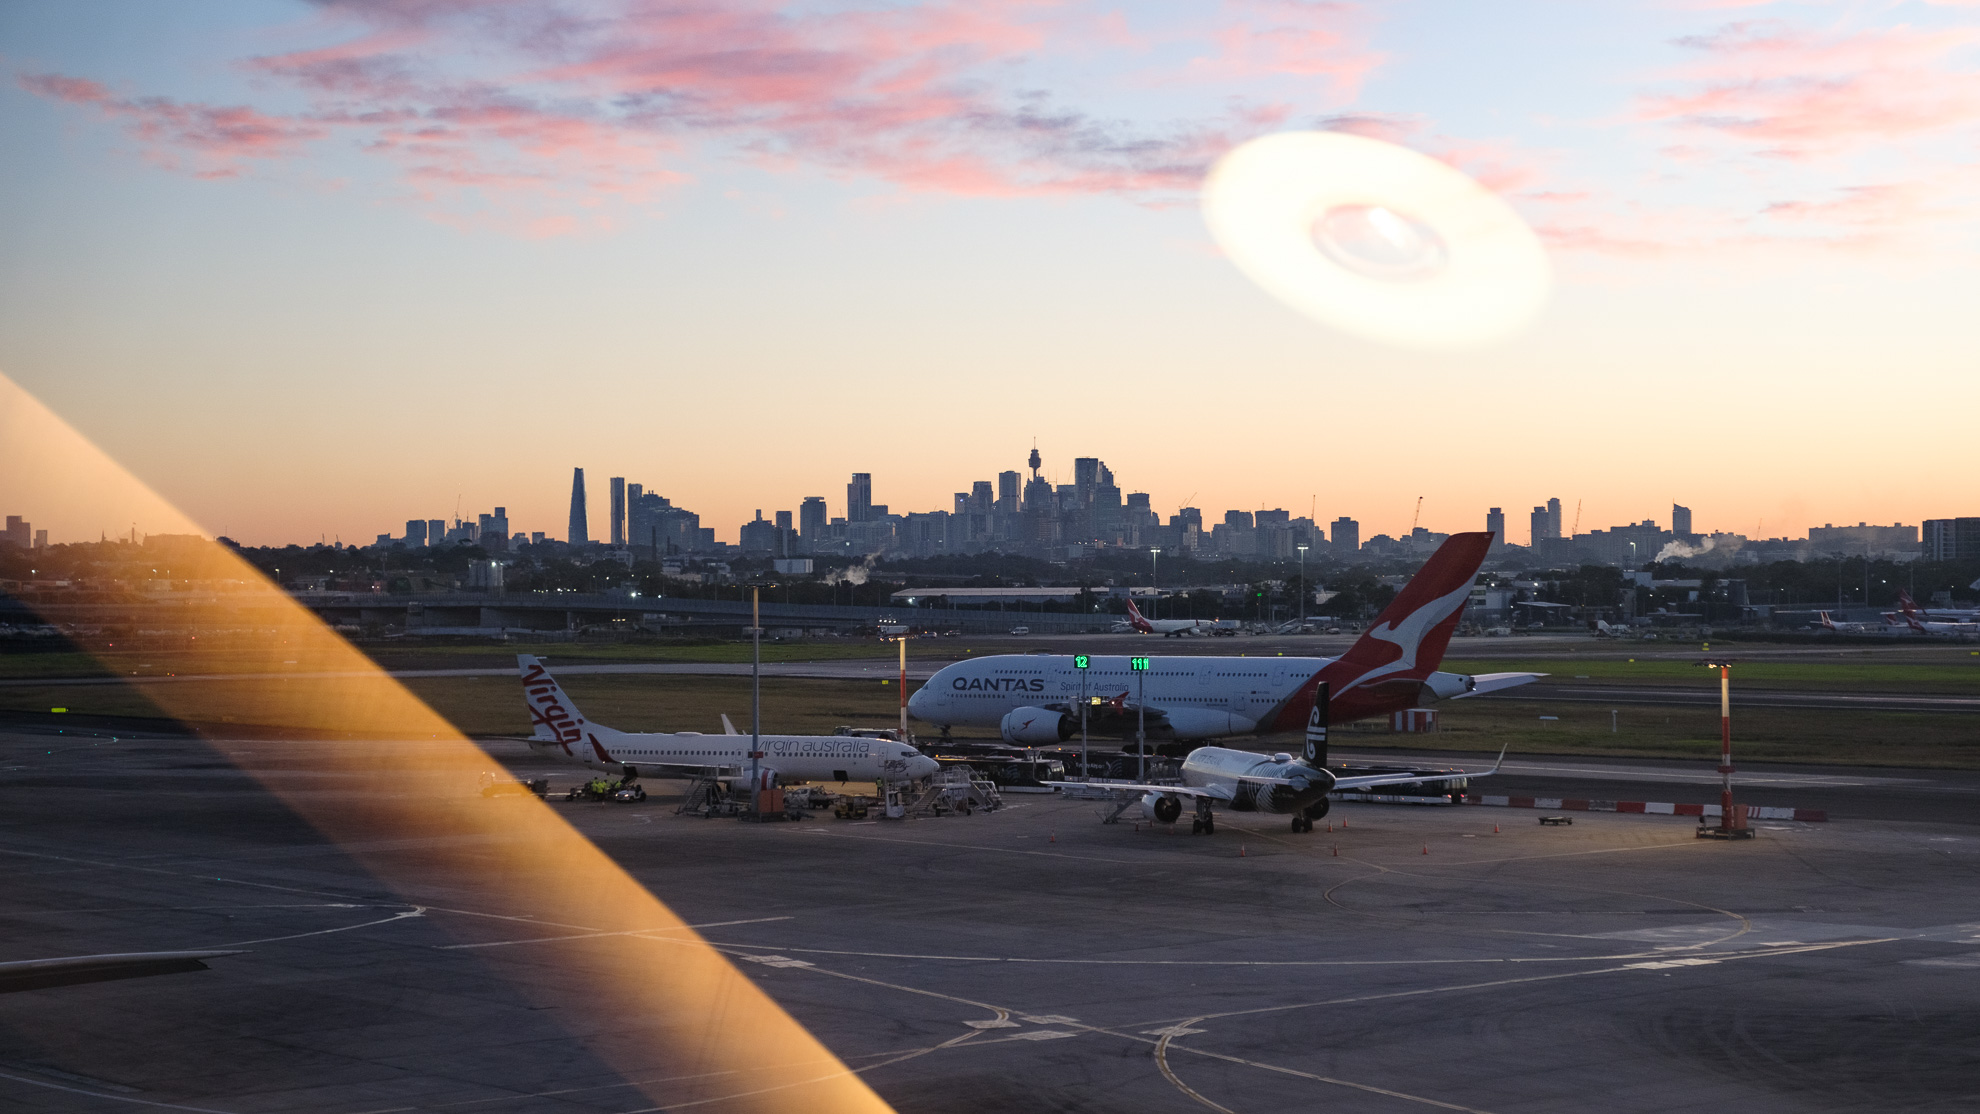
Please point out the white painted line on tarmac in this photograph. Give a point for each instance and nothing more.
(598, 935)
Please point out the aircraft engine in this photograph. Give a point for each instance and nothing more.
(1037, 727)
(766, 776)
(1161, 808)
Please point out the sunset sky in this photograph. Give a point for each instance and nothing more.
(312, 270)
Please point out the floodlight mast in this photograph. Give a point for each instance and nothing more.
(1725, 744)
(1303, 592)
(1140, 667)
(1081, 661)
(755, 697)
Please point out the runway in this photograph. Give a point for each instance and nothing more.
(1026, 960)
(1743, 697)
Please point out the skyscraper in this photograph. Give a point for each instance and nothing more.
(436, 531)
(1554, 518)
(859, 497)
(812, 520)
(1347, 535)
(1536, 527)
(1495, 521)
(415, 531)
(1680, 519)
(618, 512)
(580, 533)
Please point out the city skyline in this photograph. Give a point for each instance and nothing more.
(241, 285)
(628, 501)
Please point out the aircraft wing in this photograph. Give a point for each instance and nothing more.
(1370, 781)
(1482, 683)
(1131, 789)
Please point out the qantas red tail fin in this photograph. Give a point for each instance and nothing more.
(1135, 620)
(1386, 666)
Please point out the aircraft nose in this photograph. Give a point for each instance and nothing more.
(918, 703)
(923, 766)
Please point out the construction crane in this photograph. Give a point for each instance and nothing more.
(1419, 515)
(1576, 528)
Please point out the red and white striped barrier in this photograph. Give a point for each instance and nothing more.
(1653, 808)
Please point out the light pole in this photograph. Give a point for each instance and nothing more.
(1303, 592)
(1140, 667)
(1155, 579)
(755, 697)
(1080, 662)
(904, 729)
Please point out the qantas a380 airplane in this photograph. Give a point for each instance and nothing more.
(1034, 698)
(563, 733)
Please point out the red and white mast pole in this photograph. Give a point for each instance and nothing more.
(1725, 747)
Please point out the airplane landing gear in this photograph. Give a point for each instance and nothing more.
(1205, 822)
(1300, 824)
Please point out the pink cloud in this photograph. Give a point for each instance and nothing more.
(206, 140)
(535, 108)
(1304, 39)
(1791, 93)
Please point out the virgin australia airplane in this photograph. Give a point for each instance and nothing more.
(1035, 699)
(563, 733)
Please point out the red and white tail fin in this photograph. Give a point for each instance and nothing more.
(1907, 605)
(1826, 621)
(558, 723)
(1385, 668)
(1136, 621)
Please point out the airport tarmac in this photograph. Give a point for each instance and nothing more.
(1029, 959)
(1844, 792)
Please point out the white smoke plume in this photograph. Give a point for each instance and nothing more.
(857, 574)
(1681, 549)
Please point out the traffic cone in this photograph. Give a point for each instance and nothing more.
(1330, 826)
(1054, 839)
(1337, 852)
(1426, 849)
(1495, 829)
(1240, 850)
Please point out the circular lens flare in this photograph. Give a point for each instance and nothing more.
(1380, 243)
(1376, 240)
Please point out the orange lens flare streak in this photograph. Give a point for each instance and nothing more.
(401, 802)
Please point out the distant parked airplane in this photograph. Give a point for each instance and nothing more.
(1167, 628)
